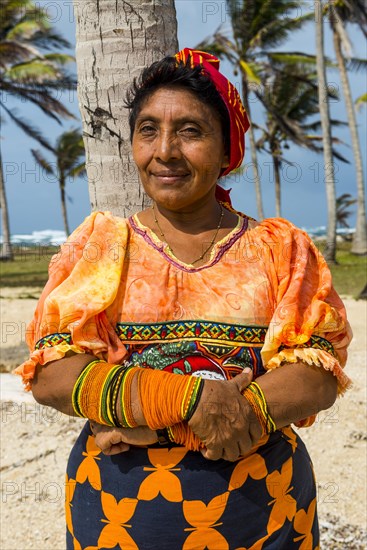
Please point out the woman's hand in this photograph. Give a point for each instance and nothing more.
(113, 441)
(224, 420)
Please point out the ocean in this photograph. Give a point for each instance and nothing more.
(55, 237)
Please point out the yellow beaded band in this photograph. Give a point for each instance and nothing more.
(79, 388)
(256, 399)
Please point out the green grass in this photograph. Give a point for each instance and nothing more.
(350, 273)
(30, 269)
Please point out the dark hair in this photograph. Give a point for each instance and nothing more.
(167, 73)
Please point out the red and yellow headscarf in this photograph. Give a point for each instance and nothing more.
(239, 122)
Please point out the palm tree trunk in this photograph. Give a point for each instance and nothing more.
(360, 236)
(114, 42)
(276, 164)
(255, 165)
(63, 206)
(330, 251)
(7, 251)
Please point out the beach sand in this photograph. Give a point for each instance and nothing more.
(35, 443)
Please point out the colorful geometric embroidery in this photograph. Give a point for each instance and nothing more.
(54, 340)
(191, 330)
(316, 342)
(205, 331)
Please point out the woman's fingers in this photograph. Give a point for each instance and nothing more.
(242, 380)
(106, 440)
(231, 453)
(222, 419)
(116, 449)
(106, 436)
(212, 454)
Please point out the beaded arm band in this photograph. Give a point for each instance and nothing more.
(256, 398)
(96, 392)
(103, 390)
(167, 399)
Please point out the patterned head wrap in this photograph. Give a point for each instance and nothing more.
(239, 122)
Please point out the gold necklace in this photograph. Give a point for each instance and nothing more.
(211, 243)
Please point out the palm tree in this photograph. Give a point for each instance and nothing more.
(343, 202)
(28, 74)
(341, 13)
(330, 250)
(114, 43)
(258, 27)
(290, 99)
(69, 153)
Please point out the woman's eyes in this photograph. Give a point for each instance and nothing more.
(148, 129)
(190, 130)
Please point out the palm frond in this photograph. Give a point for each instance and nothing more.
(343, 202)
(36, 70)
(27, 21)
(59, 58)
(292, 58)
(339, 156)
(12, 11)
(219, 45)
(251, 71)
(49, 105)
(13, 52)
(277, 30)
(362, 99)
(357, 64)
(77, 171)
(25, 30)
(27, 127)
(42, 161)
(50, 40)
(69, 151)
(348, 11)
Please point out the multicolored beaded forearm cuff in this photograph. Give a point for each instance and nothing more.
(102, 393)
(96, 391)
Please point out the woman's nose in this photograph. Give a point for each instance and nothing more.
(166, 146)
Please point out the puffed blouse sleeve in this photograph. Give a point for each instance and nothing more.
(309, 321)
(84, 279)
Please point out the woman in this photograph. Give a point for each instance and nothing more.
(188, 287)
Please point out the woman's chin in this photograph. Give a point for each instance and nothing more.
(178, 199)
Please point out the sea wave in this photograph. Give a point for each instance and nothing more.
(321, 231)
(55, 237)
(52, 237)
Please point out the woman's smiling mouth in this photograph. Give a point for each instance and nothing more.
(170, 177)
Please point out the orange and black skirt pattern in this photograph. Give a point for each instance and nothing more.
(168, 498)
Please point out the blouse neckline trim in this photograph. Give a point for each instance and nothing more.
(217, 252)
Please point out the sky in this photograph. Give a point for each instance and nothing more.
(33, 197)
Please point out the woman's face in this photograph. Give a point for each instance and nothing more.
(178, 148)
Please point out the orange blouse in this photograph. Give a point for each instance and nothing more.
(113, 270)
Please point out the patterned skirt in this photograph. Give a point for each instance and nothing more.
(173, 499)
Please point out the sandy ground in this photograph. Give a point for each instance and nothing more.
(35, 442)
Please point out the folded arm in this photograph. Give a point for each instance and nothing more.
(224, 421)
